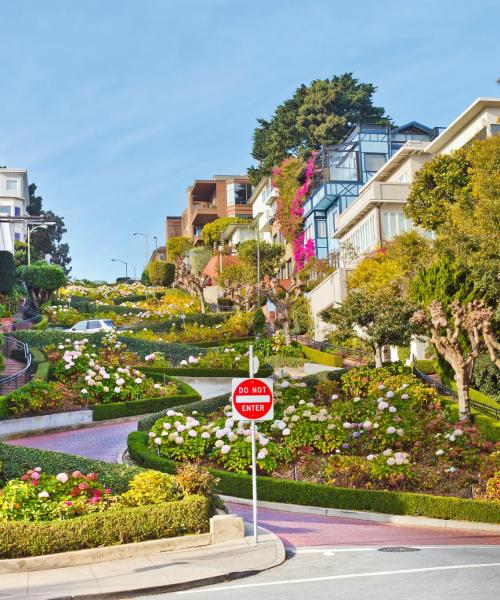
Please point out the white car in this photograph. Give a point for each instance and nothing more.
(92, 326)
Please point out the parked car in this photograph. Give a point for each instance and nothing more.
(92, 326)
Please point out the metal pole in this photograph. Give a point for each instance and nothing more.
(254, 459)
(258, 266)
(29, 249)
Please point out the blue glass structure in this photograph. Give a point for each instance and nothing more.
(342, 170)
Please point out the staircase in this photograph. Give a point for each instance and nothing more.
(12, 367)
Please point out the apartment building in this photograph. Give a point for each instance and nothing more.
(376, 214)
(211, 199)
(14, 198)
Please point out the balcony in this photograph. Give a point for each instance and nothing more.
(374, 194)
(203, 213)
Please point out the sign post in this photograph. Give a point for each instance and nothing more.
(252, 400)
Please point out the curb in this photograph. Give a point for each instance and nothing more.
(368, 516)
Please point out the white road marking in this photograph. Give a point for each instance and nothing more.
(334, 577)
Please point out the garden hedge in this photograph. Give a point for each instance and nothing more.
(203, 407)
(205, 372)
(279, 362)
(322, 358)
(16, 460)
(222, 343)
(166, 324)
(314, 494)
(427, 367)
(110, 528)
(143, 406)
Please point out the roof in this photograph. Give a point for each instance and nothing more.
(461, 121)
(259, 187)
(8, 170)
(414, 125)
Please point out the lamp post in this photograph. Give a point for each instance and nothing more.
(123, 263)
(30, 231)
(156, 243)
(145, 236)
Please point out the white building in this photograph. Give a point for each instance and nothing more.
(14, 198)
(377, 214)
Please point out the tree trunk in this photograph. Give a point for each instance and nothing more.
(377, 353)
(286, 331)
(463, 383)
(202, 302)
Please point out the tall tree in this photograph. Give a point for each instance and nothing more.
(317, 115)
(49, 240)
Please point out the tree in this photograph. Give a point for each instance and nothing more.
(7, 272)
(212, 232)
(199, 257)
(270, 256)
(21, 254)
(178, 247)
(441, 182)
(317, 115)
(446, 332)
(42, 280)
(240, 286)
(161, 272)
(191, 282)
(283, 297)
(380, 320)
(48, 241)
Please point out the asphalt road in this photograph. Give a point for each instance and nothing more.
(426, 573)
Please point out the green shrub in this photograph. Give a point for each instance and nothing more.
(259, 321)
(194, 372)
(203, 407)
(35, 396)
(4, 407)
(7, 272)
(42, 324)
(403, 353)
(278, 362)
(487, 377)
(161, 272)
(311, 494)
(110, 528)
(150, 487)
(322, 358)
(428, 367)
(17, 460)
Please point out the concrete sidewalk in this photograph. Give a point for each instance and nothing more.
(163, 572)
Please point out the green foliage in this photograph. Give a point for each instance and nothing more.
(322, 358)
(161, 272)
(279, 362)
(198, 258)
(428, 367)
(34, 397)
(212, 231)
(259, 321)
(316, 115)
(301, 316)
(42, 280)
(7, 272)
(204, 372)
(271, 256)
(311, 494)
(150, 487)
(487, 377)
(145, 277)
(178, 247)
(110, 528)
(438, 184)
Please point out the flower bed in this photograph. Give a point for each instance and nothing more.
(370, 428)
(43, 513)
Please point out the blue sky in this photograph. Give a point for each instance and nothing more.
(115, 106)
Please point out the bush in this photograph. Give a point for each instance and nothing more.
(36, 396)
(487, 377)
(278, 362)
(428, 367)
(110, 528)
(7, 272)
(145, 278)
(312, 494)
(259, 321)
(4, 407)
(150, 487)
(42, 324)
(193, 372)
(161, 272)
(322, 358)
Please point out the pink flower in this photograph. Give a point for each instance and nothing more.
(35, 475)
(107, 491)
(92, 476)
(76, 474)
(68, 503)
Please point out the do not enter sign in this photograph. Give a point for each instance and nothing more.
(253, 399)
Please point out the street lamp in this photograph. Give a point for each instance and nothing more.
(30, 231)
(145, 236)
(156, 242)
(123, 263)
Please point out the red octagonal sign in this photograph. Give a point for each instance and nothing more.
(253, 399)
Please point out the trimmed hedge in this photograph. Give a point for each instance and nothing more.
(16, 460)
(322, 358)
(110, 528)
(427, 367)
(143, 406)
(278, 362)
(4, 408)
(203, 407)
(166, 324)
(221, 344)
(314, 494)
(194, 372)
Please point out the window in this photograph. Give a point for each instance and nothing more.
(321, 228)
(17, 237)
(94, 324)
(373, 161)
(4, 210)
(394, 224)
(238, 193)
(11, 185)
(80, 326)
(17, 211)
